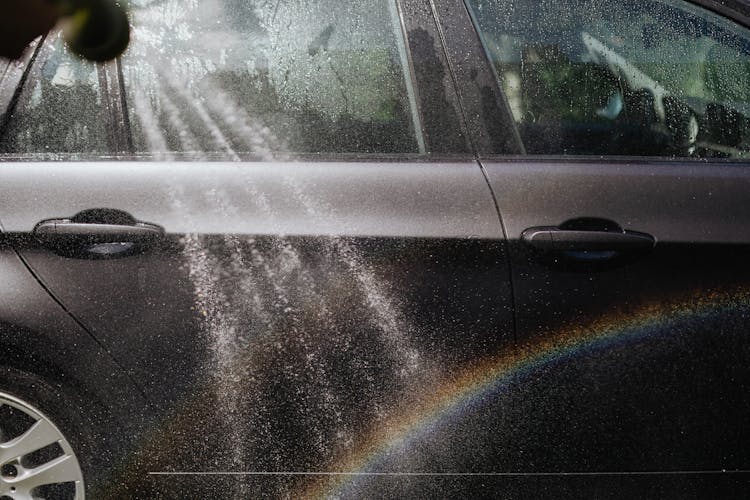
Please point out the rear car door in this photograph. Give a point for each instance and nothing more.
(310, 265)
(616, 137)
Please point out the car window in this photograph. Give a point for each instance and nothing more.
(60, 109)
(633, 78)
(231, 77)
(227, 79)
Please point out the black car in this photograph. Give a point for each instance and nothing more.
(394, 249)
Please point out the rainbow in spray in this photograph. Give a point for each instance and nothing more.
(450, 399)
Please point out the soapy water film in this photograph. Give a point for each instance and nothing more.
(315, 365)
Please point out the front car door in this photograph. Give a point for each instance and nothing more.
(620, 172)
(311, 273)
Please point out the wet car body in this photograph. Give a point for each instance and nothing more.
(461, 314)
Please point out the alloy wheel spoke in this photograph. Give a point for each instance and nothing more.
(63, 469)
(39, 435)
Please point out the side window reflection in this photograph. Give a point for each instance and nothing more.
(60, 109)
(313, 76)
(631, 78)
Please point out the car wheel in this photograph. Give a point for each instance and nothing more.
(43, 438)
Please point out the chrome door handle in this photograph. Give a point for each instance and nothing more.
(569, 240)
(588, 244)
(62, 228)
(97, 234)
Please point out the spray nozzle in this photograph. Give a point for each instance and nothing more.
(98, 30)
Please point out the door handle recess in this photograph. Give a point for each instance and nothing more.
(62, 228)
(571, 240)
(97, 234)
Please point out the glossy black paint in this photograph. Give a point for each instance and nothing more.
(39, 336)
(444, 126)
(485, 107)
(652, 405)
(263, 268)
(429, 236)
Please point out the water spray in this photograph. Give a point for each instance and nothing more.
(97, 30)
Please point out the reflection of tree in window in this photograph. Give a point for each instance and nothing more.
(60, 109)
(322, 76)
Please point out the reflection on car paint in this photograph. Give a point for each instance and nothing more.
(406, 424)
(445, 401)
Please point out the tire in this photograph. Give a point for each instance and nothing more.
(73, 457)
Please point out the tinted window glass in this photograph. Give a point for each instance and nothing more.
(233, 77)
(620, 77)
(61, 108)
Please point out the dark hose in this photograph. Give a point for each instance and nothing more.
(97, 30)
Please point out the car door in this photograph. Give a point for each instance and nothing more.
(616, 147)
(293, 250)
